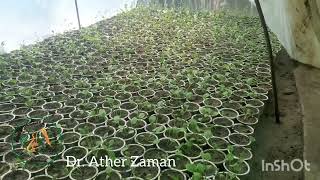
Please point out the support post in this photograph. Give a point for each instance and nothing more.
(76, 4)
(269, 47)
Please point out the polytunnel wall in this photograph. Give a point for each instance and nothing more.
(297, 25)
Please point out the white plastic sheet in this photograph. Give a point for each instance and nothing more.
(297, 25)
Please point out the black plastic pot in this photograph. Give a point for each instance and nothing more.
(68, 124)
(19, 174)
(133, 150)
(170, 173)
(129, 106)
(37, 163)
(126, 133)
(181, 161)
(147, 93)
(226, 176)
(240, 152)
(214, 156)
(104, 131)
(21, 111)
(138, 114)
(4, 168)
(11, 156)
(131, 89)
(201, 118)
(87, 106)
(108, 93)
(33, 127)
(52, 119)
(114, 144)
(97, 120)
(243, 129)
(122, 96)
(146, 106)
(111, 104)
(195, 98)
(218, 143)
(146, 139)
(52, 106)
(193, 151)
(195, 138)
(77, 152)
(7, 107)
(210, 168)
(248, 120)
(70, 138)
(191, 107)
(249, 111)
(41, 177)
(229, 113)
(116, 122)
(70, 91)
(156, 128)
(56, 88)
(96, 154)
(177, 123)
(97, 99)
(150, 173)
(138, 99)
(175, 103)
(90, 142)
(53, 151)
(169, 145)
(84, 128)
(175, 133)
(109, 175)
(237, 167)
(73, 102)
(137, 124)
(239, 139)
(84, 95)
(209, 111)
(219, 131)
(121, 113)
(84, 173)
(6, 117)
(223, 121)
(162, 94)
(5, 131)
(79, 115)
(159, 118)
(163, 110)
(197, 127)
(213, 102)
(182, 114)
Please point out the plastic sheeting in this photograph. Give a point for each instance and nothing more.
(297, 25)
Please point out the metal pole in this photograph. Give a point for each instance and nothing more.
(269, 47)
(76, 4)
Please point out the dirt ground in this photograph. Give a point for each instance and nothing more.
(279, 141)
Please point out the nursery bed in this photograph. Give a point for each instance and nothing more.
(158, 84)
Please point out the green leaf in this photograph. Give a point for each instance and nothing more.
(206, 156)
